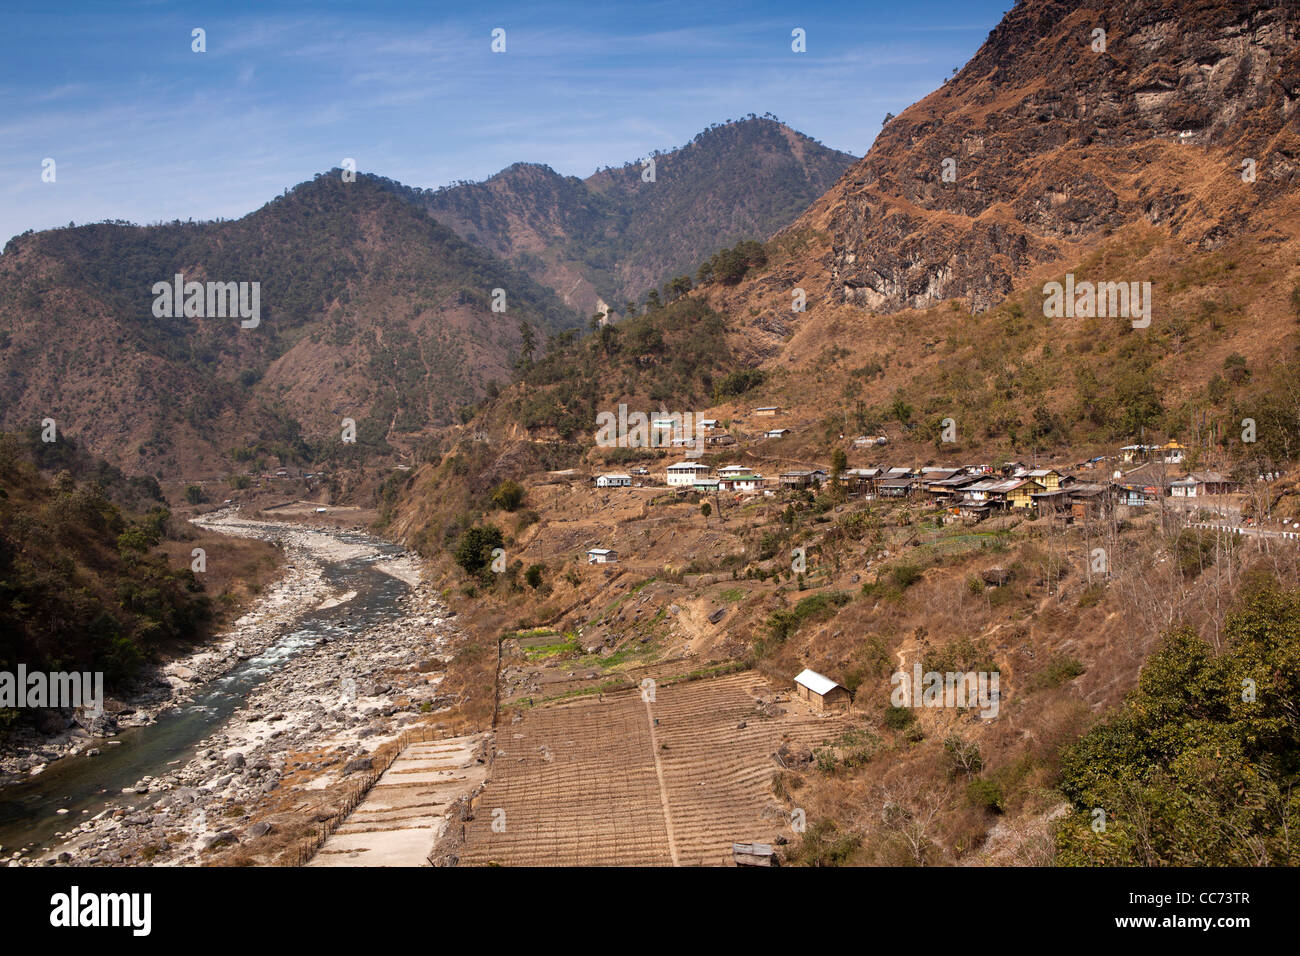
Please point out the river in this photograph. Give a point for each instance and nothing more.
(84, 785)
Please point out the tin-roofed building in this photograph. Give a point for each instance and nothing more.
(820, 691)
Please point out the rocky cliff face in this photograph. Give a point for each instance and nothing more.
(1056, 133)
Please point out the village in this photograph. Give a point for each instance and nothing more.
(1138, 476)
(764, 587)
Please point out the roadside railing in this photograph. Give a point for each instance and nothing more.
(1251, 531)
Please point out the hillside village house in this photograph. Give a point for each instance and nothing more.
(741, 482)
(1202, 485)
(1019, 494)
(1049, 478)
(859, 481)
(820, 691)
(932, 476)
(734, 470)
(613, 481)
(1143, 485)
(1131, 453)
(895, 487)
(767, 411)
(970, 508)
(1004, 492)
(705, 484)
(952, 487)
(776, 433)
(1087, 501)
(602, 556)
(1052, 503)
(1174, 453)
(684, 473)
(801, 478)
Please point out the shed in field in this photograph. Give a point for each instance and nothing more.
(820, 691)
(753, 854)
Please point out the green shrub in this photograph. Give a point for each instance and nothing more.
(899, 718)
(474, 552)
(905, 575)
(1057, 672)
(1201, 747)
(509, 495)
(823, 844)
(985, 794)
(783, 623)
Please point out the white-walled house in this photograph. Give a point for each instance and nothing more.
(743, 482)
(614, 481)
(602, 556)
(1202, 485)
(684, 473)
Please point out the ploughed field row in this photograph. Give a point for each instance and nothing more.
(719, 774)
(571, 784)
(578, 783)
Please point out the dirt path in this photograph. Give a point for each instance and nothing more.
(663, 787)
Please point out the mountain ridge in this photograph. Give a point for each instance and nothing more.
(373, 309)
(757, 174)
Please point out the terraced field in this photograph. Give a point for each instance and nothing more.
(598, 782)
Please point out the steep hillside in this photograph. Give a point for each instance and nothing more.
(82, 585)
(924, 305)
(925, 299)
(368, 310)
(370, 307)
(1051, 143)
(614, 235)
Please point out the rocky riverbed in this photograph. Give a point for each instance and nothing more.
(334, 693)
(30, 750)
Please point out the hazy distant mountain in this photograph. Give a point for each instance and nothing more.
(615, 235)
(369, 310)
(370, 307)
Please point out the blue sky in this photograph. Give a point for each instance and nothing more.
(142, 128)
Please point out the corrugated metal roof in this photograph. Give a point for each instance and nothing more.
(817, 683)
